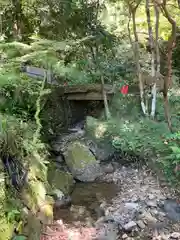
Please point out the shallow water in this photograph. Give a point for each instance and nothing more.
(86, 200)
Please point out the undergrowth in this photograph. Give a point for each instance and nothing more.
(150, 139)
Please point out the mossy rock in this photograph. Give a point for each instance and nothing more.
(33, 228)
(82, 162)
(91, 124)
(60, 180)
(79, 155)
(96, 129)
(35, 195)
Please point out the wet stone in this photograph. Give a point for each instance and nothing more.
(141, 224)
(124, 236)
(175, 235)
(131, 205)
(151, 204)
(129, 226)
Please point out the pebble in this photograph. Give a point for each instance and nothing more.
(108, 168)
(131, 205)
(175, 235)
(124, 236)
(151, 196)
(141, 224)
(148, 217)
(59, 159)
(154, 211)
(151, 203)
(164, 237)
(134, 199)
(129, 226)
(162, 214)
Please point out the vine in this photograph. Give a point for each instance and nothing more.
(38, 108)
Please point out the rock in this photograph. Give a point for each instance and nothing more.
(108, 232)
(91, 124)
(58, 194)
(33, 228)
(141, 224)
(151, 203)
(148, 218)
(100, 221)
(131, 205)
(82, 162)
(175, 235)
(172, 209)
(123, 215)
(129, 226)
(161, 214)
(108, 168)
(63, 202)
(124, 236)
(164, 237)
(134, 198)
(96, 130)
(60, 180)
(151, 197)
(99, 212)
(154, 211)
(59, 159)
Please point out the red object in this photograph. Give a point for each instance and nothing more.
(124, 89)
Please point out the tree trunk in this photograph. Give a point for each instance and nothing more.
(157, 56)
(106, 106)
(151, 44)
(17, 19)
(168, 77)
(136, 58)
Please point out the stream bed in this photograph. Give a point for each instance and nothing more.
(122, 202)
(135, 206)
(87, 199)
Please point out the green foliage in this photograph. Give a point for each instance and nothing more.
(12, 215)
(171, 162)
(19, 238)
(83, 40)
(176, 60)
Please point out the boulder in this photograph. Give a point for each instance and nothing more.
(99, 144)
(59, 180)
(81, 162)
(95, 128)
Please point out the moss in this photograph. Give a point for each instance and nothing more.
(78, 156)
(60, 180)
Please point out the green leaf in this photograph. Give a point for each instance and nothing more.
(20, 237)
(175, 149)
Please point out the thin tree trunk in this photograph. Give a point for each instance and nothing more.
(151, 43)
(156, 9)
(168, 77)
(138, 68)
(106, 106)
(157, 54)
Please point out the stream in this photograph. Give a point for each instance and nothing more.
(86, 201)
(123, 202)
